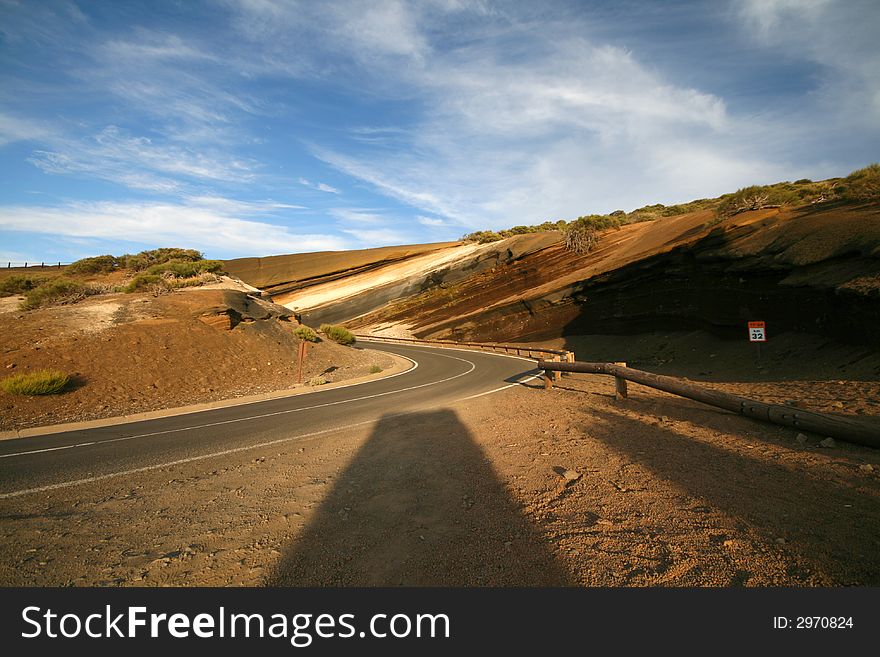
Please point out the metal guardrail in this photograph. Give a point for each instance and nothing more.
(535, 353)
(852, 430)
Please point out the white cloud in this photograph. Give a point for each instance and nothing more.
(430, 221)
(841, 37)
(204, 224)
(321, 187)
(17, 129)
(359, 216)
(138, 162)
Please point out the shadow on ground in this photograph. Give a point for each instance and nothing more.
(827, 524)
(419, 505)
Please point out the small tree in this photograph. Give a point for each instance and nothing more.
(580, 237)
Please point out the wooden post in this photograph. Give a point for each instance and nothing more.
(620, 385)
(548, 380)
(557, 375)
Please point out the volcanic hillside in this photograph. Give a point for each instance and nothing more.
(813, 269)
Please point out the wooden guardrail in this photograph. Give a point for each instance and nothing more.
(525, 351)
(852, 430)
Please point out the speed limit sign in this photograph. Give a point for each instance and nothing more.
(757, 332)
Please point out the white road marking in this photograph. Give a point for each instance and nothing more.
(235, 450)
(254, 417)
(88, 480)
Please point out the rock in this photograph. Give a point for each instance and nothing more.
(828, 442)
(867, 467)
(801, 438)
(837, 404)
(570, 476)
(780, 541)
(220, 321)
(10, 366)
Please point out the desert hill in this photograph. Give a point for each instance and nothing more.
(131, 353)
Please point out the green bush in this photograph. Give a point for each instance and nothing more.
(185, 269)
(599, 221)
(141, 283)
(146, 259)
(862, 184)
(18, 284)
(483, 237)
(103, 264)
(375, 369)
(305, 333)
(317, 381)
(56, 291)
(338, 334)
(43, 382)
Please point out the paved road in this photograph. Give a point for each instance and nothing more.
(31, 465)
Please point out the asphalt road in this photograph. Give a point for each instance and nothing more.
(40, 463)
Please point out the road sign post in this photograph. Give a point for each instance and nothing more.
(757, 334)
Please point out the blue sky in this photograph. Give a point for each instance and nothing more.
(255, 127)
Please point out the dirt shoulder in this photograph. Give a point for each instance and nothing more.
(134, 353)
(522, 487)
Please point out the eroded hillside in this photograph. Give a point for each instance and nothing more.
(814, 269)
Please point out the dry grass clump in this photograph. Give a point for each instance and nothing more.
(338, 334)
(42, 382)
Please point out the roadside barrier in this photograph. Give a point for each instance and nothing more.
(853, 430)
(31, 265)
(524, 351)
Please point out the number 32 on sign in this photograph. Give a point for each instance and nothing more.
(757, 332)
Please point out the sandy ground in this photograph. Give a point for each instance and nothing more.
(523, 487)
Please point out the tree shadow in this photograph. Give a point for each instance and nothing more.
(828, 522)
(419, 505)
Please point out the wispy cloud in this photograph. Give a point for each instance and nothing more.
(17, 129)
(138, 162)
(321, 187)
(212, 225)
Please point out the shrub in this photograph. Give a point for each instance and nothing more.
(316, 381)
(103, 264)
(56, 291)
(146, 259)
(580, 237)
(375, 369)
(338, 334)
(755, 198)
(141, 282)
(305, 333)
(42, 382)
(18, 284)
(185, 268)
(862, 185)
(483, 237)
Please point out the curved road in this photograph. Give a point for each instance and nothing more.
(441, 376)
